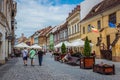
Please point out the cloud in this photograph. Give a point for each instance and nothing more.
(34, 15)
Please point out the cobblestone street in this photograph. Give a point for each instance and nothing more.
(51, 70)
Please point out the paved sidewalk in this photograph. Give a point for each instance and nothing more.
(52, 70)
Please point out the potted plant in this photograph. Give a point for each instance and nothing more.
(87, 60)
(63, 50)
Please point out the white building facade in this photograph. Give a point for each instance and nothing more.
(6, 28)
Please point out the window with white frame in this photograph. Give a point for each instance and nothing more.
(75, 29)
(72, 29)
(65, 34)
(68, 31)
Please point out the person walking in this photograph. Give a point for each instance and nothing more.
(32, 54)
(25, 55)
(40, 56)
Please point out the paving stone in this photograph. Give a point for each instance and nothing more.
(52, 70)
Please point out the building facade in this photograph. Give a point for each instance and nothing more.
(56, 34)
(63, 32)
(99, 17)
(73, 24)
(7, 26)
(42, 38)
(31, 39)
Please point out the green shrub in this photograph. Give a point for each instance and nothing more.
(87, 48)
(63, 48)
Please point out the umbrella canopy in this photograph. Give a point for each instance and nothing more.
(36, 46)
(67, 44)
(79, 43)
(21, 45)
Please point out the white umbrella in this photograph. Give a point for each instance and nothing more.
(79, 43)
(36, 46)
(67, 44)
(21, 45)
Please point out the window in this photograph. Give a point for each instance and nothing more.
(89, 28)
(72, 29)
(83, 30)
(112, 18)
(99, 24)
(60, 35)
(65, 34)
(69, 31)
(75, 28)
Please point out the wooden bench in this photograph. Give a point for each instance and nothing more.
(104, 69)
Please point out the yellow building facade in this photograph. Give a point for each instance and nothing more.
(99, 17)
(73, 27)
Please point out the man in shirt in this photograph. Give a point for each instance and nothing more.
(25, 55)
(40, 56)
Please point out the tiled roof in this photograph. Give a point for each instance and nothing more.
(101, 7)
(57, 29)
(44, 31)
(54, 29)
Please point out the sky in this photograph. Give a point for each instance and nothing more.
(33, 15)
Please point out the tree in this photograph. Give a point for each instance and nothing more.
(63, 48)
(87, 48)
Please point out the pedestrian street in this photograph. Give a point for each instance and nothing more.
(51, 70)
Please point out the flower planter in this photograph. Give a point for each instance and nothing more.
(104, 69)
(87, 62)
